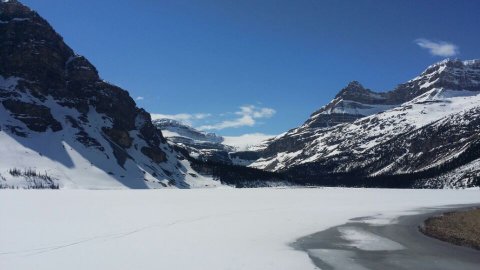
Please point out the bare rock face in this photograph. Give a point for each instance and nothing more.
(32, 50)
(36, 117)
(156, 156)
(119, 136)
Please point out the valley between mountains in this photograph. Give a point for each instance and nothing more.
(62, 126)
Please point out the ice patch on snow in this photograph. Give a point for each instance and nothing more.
(368, 241)
(338, 259)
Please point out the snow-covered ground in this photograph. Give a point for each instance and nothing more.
(187, 229)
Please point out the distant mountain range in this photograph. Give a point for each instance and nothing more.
(62, 126)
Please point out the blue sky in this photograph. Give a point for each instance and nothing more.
(236, 67)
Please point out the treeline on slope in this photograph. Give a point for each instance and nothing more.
(37, 180)
(240, 176)
(234, 175)
(311, 174)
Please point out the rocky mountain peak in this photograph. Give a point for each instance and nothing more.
(31, 49)
(14, 6)
(451, 74)
(355, 101)
(448, 64)
(354, 85)
(349, 104)
(355, 91)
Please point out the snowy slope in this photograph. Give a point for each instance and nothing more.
(363, 145)
(69, 163)
(214, 229)
(62, 126)
(457, 178)
(367, 132)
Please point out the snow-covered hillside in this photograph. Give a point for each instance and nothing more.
(61, 125)
(368, 132)
(446, 94)
(216, 229)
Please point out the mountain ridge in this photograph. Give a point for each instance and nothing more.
(334, 149)
(62, 124)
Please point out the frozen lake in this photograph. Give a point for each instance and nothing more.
(190, 229)
(357, 245)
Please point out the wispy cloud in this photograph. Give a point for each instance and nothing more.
(438, 48)
(181, 117)
(247, 116)
(139, 98)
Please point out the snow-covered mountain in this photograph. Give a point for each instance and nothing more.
(351, 103)
(355, 101)
(179, 132)
(435, 127)
(61, 125)
(205, 146)
(200, 145)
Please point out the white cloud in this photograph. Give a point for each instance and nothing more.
(181, 117)
(440, 48)
(256, 112)
(247, 116)
(139, 98)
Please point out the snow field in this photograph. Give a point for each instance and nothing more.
(188, 229)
